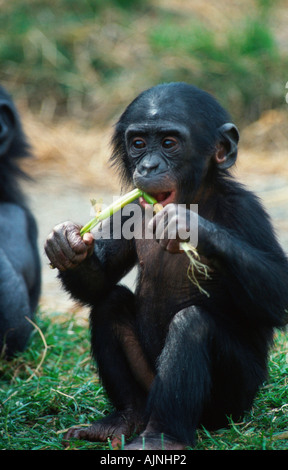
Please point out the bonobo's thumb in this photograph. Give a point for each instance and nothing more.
(88, 239)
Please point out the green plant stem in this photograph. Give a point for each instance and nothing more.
(189, 250)
(110, 210)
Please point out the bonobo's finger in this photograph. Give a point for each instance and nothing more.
(74, 247)
(172, 246)
(88, 239)
(164, 226)
(56, 256)
(58, 248)
(164, 217)
(174, 223)
(158, 223)
(66, 248)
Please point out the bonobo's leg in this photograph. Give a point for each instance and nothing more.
(204, 376)
(181, 386)
(123, 369)
(14, 307)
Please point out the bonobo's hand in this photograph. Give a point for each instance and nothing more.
(175, 224)
(65, 247)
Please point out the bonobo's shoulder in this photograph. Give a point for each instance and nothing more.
(13, 218)
(9, 209)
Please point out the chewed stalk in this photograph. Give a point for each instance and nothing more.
(189, 250)
(110, 210)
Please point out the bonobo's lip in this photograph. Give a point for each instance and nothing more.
(164, 198)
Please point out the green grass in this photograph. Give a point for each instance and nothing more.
(88, 59)
(35, 408)
(266, 426)
(243, 67)
(39, 403)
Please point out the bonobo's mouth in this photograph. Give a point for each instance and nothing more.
(164, 198)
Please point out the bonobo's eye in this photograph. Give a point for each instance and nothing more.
(138, 143)
(169, 143)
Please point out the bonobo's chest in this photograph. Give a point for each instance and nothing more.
(164, 276)
(159, 265)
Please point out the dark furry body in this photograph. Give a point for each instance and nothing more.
(170, 357)
(20, 271)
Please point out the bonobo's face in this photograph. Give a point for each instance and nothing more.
(158, 150)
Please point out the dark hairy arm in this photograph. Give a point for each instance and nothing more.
(248, 256)
(255, 277)
(88, 268)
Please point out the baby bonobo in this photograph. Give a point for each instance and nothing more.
(170, 356)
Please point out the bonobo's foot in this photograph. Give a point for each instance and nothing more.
(154, 441)
(112, 426)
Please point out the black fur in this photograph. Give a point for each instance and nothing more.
(208, 354)
(20, 275)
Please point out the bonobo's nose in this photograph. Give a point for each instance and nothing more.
(148, 165)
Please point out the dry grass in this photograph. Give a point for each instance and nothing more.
(119, 42)
(264, 145)
(69, 149)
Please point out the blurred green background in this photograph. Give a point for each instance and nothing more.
(87, 59)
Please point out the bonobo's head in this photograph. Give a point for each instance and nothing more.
(172, 137)
(13, 145)
(12, 139)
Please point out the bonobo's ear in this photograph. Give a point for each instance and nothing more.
(7, 126)
(226, 152)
